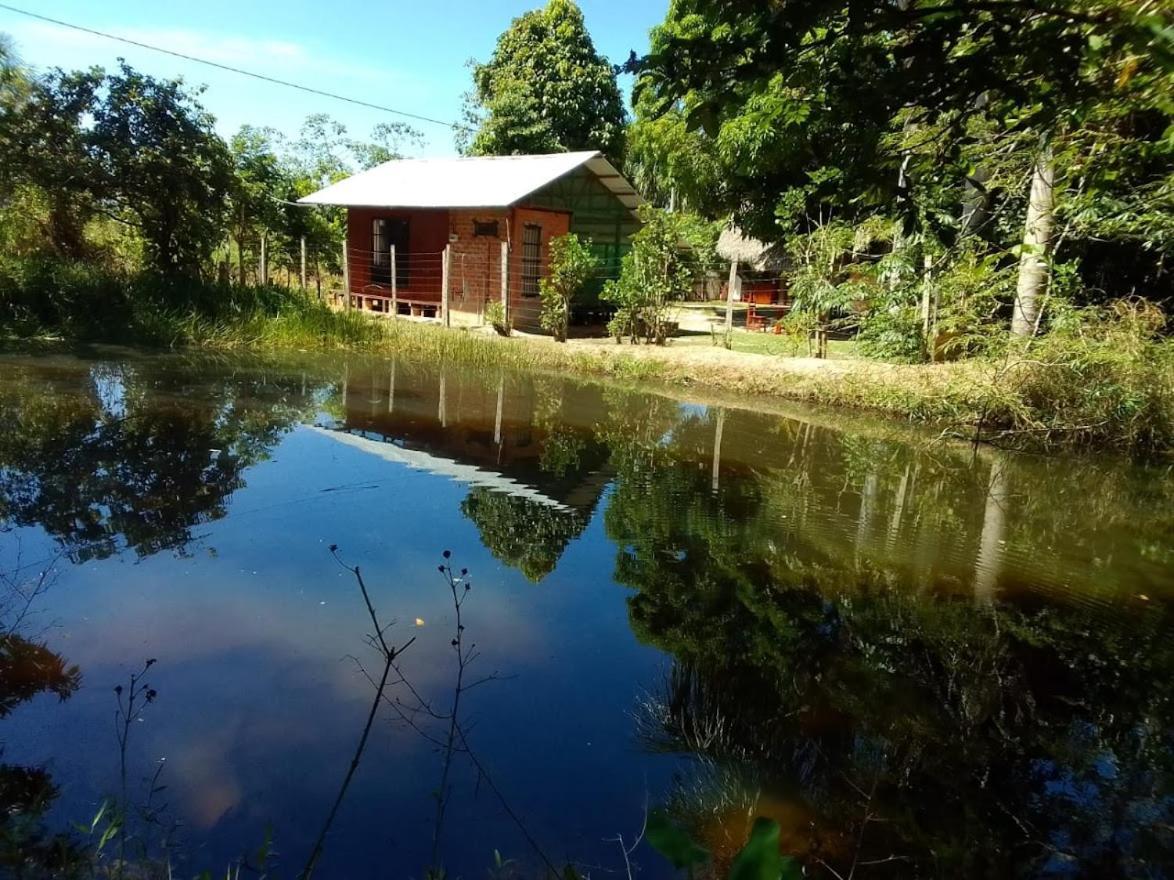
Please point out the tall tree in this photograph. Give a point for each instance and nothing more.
(163, 167)
(546, 90)
(819, 105)
(44, 144)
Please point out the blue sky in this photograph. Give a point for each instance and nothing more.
(398, 53)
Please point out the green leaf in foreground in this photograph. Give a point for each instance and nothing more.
(759, 859)
(672, 842)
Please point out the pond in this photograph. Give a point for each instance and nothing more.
(920, 659)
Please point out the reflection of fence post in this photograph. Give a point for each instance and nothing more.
(394, 286)
(505, 282)
(391, 389)
(717, 449)
(346, 278)
(500, 403)
(303, 251)
(444, 275)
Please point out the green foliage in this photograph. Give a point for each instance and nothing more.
(546, 90)
(673, 842)
(151, 138)
(495, 317)
(669, 254)
(760, 858)
(570, 267)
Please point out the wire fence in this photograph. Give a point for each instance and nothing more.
(456, 284)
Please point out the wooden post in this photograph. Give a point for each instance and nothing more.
(444, 276)
(346, 278)
(263, 267)
(394, 296)
(717, 450)
(505, 281)
(303, 262)
(731, 289)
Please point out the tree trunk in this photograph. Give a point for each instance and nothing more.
(1037, 242)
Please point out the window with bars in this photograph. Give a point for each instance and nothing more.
(531, 258)
(386, 231)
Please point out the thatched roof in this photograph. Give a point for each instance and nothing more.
(750, 252)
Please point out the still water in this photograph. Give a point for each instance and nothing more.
(922, 661)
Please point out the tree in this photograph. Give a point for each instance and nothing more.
(44, 145)
(258, 180)
(388, 140)
(163, 167)
(668, 255)
(546, 90)
(835, 106)
(571, 265)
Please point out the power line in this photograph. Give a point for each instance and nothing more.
(230, 69)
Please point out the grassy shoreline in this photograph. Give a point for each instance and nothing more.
(1113, 394)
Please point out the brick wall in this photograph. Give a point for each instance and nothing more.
(475, 270)
(475, 267)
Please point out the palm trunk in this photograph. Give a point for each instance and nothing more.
(1037, 242)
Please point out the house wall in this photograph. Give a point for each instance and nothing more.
(475, 268)
(475, 271)
(427, 236)
(525, 310)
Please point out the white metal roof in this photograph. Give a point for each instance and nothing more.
(472, 182)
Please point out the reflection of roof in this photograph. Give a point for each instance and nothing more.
(469, 182)
(420, 460)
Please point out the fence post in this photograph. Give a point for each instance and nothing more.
(263, 269)
(346, 277)
(394, 286)
(505, 282)
(303, 263)
(731, 288)
(444, 275)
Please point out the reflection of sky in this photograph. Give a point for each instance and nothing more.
(260, 703)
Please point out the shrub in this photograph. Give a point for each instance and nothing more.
(893, 334)
(668, 255)
(571, 264)
(495, 317)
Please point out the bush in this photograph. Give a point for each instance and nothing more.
(668, 254)
(1104, 377)
(571, 264)
(892, 334)
(495, 317)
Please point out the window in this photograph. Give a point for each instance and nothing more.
(531, 258)
(385, 232)
(485, 227)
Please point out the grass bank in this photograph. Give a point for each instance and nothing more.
(1112, 388)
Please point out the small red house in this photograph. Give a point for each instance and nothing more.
(484, 222)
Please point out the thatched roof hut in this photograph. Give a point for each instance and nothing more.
(750, 253)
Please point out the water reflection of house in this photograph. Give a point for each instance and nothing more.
(493, 437)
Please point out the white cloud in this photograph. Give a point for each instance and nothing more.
(48, 45)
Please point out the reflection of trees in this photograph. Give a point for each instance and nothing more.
(526, 534)
(134, 456)
(1014, 738)
(29, 668)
